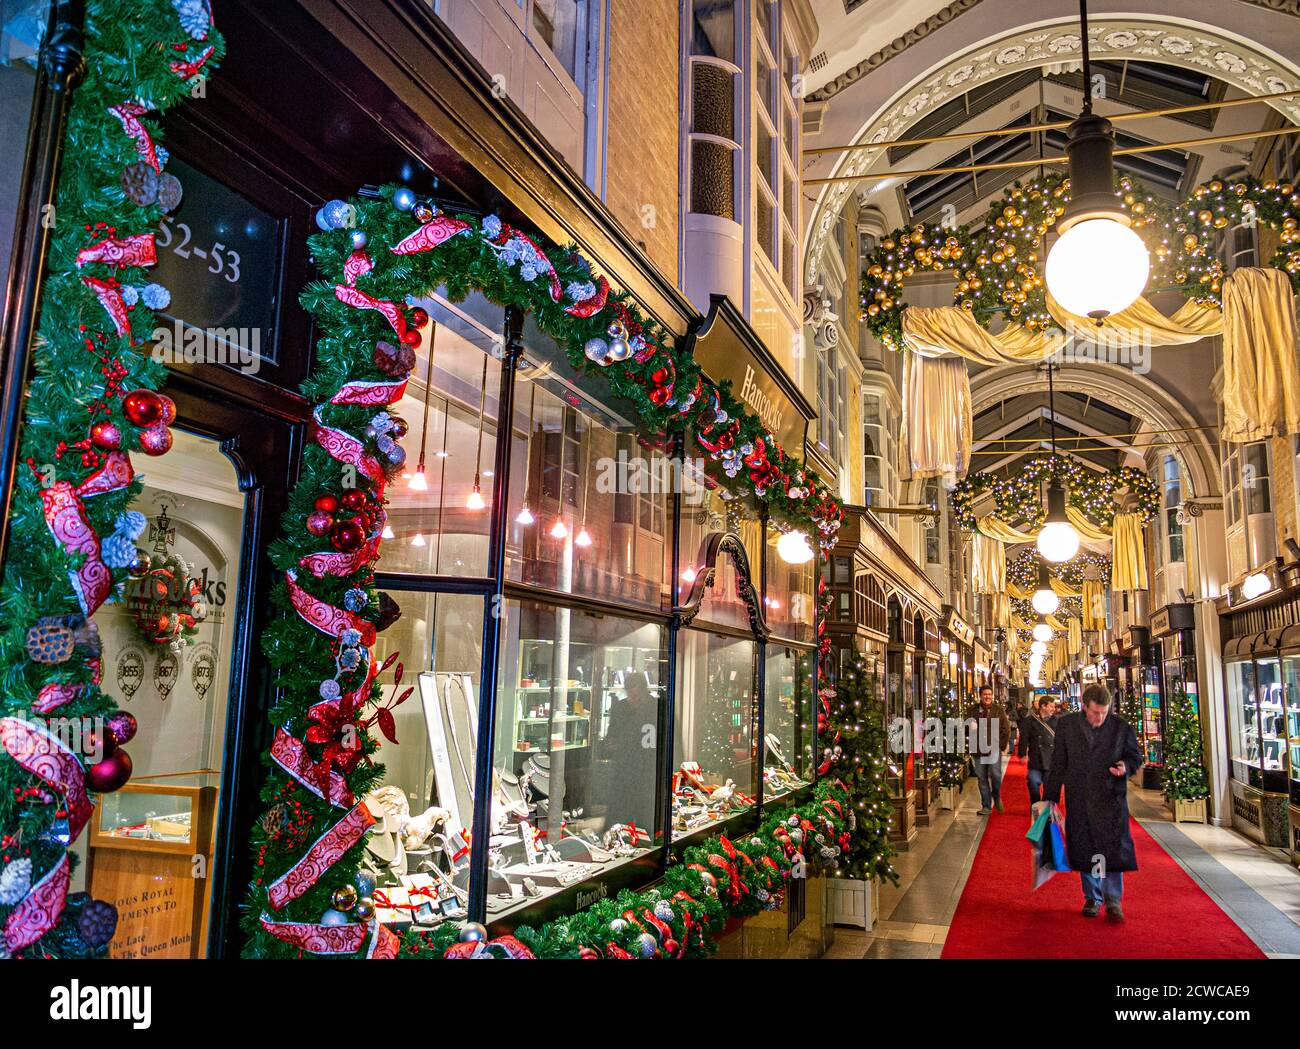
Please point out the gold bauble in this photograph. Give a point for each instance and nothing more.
(1220, 222)
(365, 909)
(1216, 186)
(872, 310)
(1189, 241)
(344, 898)
(1205, 217)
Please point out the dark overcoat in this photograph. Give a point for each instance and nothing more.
(1096, 802)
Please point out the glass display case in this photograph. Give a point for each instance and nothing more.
(1153, 722)
(1291, 699)
(787, 721)
(1258, 723)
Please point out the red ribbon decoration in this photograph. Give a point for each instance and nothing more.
(46, 757)
(185, 70)
(384, 945)
(358, 264)
(347, 449)
(137, 250)
(291, 755)
(319, 939)
(436, 231)
(376, 394)
(324, 853)
(593, 304)
(111, 299)
(54, 695)
(39, 911)
(360, 300)
(326, 618)
(129, 113)
(334, 563)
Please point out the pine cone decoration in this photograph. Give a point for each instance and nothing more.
(169, 193)
(389, 612)
(395, 361)
(140, 183)
(273, 820)
(50, 640)
(97, 923)
(15, 881)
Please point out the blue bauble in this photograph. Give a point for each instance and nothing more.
(473, 932)
(618, 926)
(333, 917)
(664, 911)
(646, 945)
(365, 883)
(359, 239)
(404, 199)
(597, 350)
(334, 214)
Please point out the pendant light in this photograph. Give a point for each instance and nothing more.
(1042, 632)
(793, 548)
(583, 538)
(1045, 601)
(1057, 539)
(418, 483)
(1098, 265)
(475, 500)
(525, 516)
(1038, 648)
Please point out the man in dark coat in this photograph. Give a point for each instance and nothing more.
(1096, 752)
(1037, 738)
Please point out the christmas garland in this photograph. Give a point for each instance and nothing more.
(1018, 497)
(1022, 570)
(92, 400)
(308, 895)
(997, 271)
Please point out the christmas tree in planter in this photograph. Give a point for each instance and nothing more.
(855, 723)
(1184, 769)
(952, 762)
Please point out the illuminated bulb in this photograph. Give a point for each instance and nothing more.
(1057, 541)
(688, 575)
(582, 538)
(558, 531)
(952, 659)
(475, 500)
(1097, 267)
(943, 648)
(1045, 602)
(387, 533)
(417, 483)
(793, 548)
(1039, 648)
(1255, 584)
(525, 516)
(417, 539)
(1042, 632)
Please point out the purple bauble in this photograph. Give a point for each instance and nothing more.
(97, 923)
(121, 727)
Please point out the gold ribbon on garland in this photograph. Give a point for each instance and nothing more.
(1094, 605)
(1128, 557)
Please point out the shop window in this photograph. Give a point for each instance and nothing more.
(561, 27)
(787, 721)
(723, 605)
(831, 404)
(713, 740)
(1172, 497)
(713, 29)
(435, 527)
(789, 599)
(931, 496)
(588, 503)
(153, 839)
(1248, 505)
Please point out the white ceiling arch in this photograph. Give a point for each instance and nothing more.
(1121, 388)
(1247, 65)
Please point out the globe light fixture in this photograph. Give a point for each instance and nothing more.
(793, 548)
(1057, 539)
(1098, 265)
(1255, 585)
(1042, 632)
(1045, 601)
(1039, 648)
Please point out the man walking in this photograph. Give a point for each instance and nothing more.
(1094, 755)
(992, 729)
(1037, 738)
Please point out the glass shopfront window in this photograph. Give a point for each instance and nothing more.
(713, 750)
(588, 503)
(574, 748)
(1291, 697)
(436, 525)
(789, 611)
(1257, 722)
(787, 721)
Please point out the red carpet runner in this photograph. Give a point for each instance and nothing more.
(999, 915)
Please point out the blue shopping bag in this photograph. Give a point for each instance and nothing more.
(1060, 861)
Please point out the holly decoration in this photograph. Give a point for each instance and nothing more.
(72, 536)
(998, 269)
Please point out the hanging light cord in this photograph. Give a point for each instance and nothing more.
(1087, 62)
(482, 402)
(428, 386)
(528, 442)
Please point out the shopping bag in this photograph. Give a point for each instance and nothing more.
(1039, 825)
(1059, 858)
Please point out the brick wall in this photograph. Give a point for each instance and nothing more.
(643, 142)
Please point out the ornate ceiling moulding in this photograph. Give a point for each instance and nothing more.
(1285, 7)
(893, 49)
(1237, 63)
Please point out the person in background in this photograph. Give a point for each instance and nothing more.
(1013, 719)
(1037, 738)
(992, 730)
(1096, 752)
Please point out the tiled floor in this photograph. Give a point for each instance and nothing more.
(1254, 885)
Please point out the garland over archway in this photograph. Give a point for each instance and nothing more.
(998, 269)
(308, 896)
(1018, 497)
(91, 402)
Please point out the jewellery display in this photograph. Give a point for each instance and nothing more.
(779, 776)
(698, 804)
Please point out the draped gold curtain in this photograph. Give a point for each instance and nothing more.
(936, 437)
(1094, 605)
(990, 565)
(995, 528)
(1261, 384)
(1128, 556)
(1074, 638)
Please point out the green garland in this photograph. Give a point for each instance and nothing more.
(1018, 498)
(86, 360)
(1022, 570)
(375, 252)
(997, 269)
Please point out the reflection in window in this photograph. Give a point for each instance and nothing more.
(713, 749)
(574, 747)
(787, 733)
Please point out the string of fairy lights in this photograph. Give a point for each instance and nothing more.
(997, 267)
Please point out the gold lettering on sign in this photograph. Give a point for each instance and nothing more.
(769, 411)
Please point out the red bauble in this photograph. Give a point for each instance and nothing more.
(412, 337)
(101, 743)
(168, 409)
(143, 407)
(660, 395)
(361, 521)
(106, 436)
(660, 376)
(121, 727)
(110, 774)
(419, 317)
(327, 503)
(319, 523)
(347, 537)
(353, 499)
(157, 440)
(725, 440)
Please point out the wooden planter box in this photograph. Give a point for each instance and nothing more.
(1189, 811)
(856, 902)
(947, 797)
